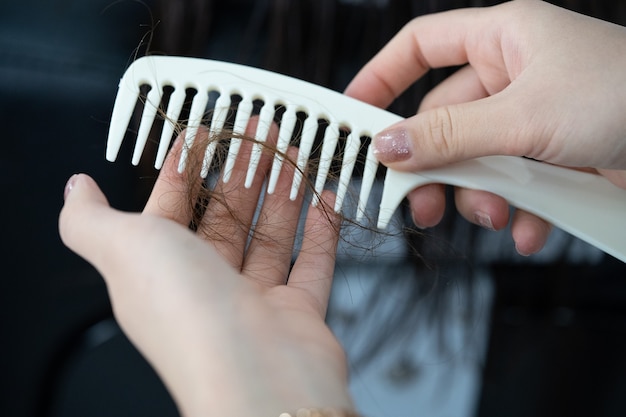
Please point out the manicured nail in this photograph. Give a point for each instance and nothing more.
(392, 146)
(69, 185)
(483, 220)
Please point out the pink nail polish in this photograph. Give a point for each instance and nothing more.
(392, 146)
(69, 185)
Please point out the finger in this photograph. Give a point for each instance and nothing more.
(430, 41)
(428, 202)
(268, 257)
(136, 255)
(230, 211)
(175, 193)
(87, 224)
(427, 205)
(529, 232)
(314, 268)
(482, 208)
(451, 133)
(461, 87)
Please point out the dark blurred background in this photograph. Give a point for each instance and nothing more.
(557, 338)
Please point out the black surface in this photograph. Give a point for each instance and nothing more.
(557, 342)
(59, 65)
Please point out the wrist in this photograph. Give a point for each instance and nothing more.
(252, 397)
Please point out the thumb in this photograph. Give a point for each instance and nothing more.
(449, 134)
(87, 222)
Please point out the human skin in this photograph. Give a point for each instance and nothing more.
(231, 331)
(536, 81)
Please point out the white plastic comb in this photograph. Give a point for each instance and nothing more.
(585, 205)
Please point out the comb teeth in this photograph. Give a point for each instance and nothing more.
(294, 98)
(545, 190)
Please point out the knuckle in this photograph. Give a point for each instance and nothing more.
(442, 132)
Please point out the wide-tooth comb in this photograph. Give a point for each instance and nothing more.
(585, 205)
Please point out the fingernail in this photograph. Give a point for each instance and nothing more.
(392, 146)
(522, 253)
(417, 224)
(69, 185)
(483, 220)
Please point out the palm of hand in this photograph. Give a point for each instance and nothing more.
(232, 307)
